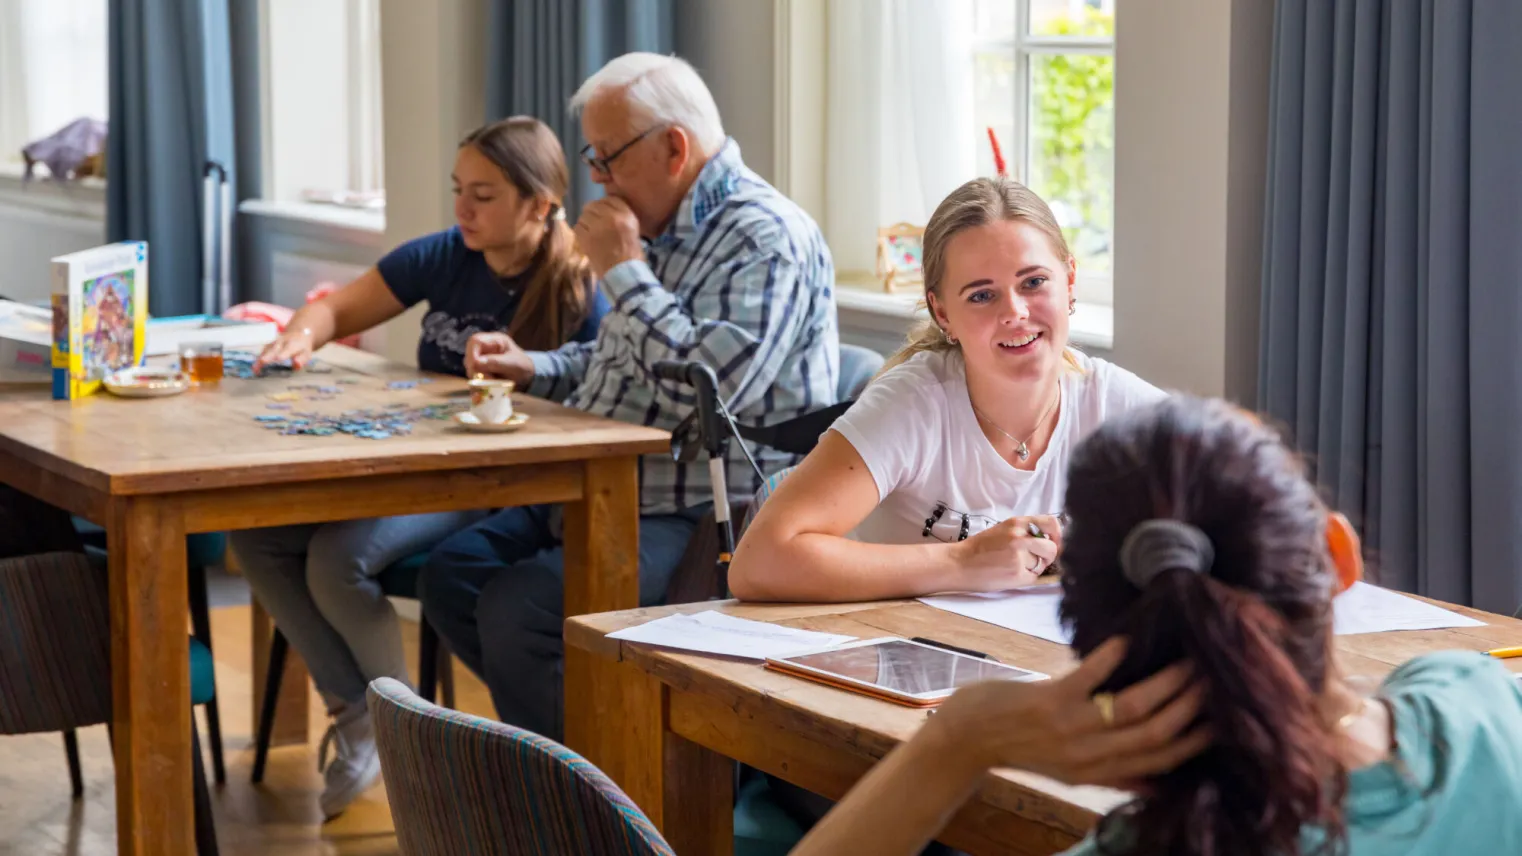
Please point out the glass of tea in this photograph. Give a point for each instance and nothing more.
(202, 361)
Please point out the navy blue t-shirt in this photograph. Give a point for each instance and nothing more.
(464, 297)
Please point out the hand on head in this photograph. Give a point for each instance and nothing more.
(1057, 729)
(496, 355)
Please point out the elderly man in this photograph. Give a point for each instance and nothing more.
(703, 260)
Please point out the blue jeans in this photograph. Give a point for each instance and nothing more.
(495, 592)
(318, 582)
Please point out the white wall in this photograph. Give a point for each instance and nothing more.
(730, 43)
(38, 222)
(1191, 102)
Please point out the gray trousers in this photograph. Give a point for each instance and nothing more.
(318, 582)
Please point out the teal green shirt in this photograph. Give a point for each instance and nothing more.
(1454, 785)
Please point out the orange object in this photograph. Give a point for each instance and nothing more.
(1346, 550)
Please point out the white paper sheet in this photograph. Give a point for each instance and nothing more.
(716, 633)
(1368, 608)
(1032, 611)
(1364, 608)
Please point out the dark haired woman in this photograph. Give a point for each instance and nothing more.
(1196, 539)
(510, 264)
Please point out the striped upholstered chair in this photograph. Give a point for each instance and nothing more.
(462, 784)
(55, 659)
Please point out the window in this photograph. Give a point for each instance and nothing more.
(322, 101)
(52, 70)
(1044, 81)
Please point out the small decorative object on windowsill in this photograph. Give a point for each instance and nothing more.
(899, 256)
(1000, 168)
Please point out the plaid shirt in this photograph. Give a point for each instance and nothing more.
(741, 281)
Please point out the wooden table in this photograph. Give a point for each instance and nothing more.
(153, 470)
(710, 710)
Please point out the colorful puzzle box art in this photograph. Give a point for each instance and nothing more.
(100, 311)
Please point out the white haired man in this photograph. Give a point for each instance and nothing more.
(703, 260)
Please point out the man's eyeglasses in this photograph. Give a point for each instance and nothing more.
(605, 165)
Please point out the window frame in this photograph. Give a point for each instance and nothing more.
(1090, 288)
(363, 100)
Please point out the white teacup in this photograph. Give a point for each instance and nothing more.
(491, 401)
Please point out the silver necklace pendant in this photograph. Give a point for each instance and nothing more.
(1022, 452)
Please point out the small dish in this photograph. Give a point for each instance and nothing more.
(144, 382)
(467, 420)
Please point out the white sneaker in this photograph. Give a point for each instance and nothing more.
(356, 763)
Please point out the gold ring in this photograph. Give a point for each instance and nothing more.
(1106, 704)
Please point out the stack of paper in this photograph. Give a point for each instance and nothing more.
(716, 633)
(1364, 608)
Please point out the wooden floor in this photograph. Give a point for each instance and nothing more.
(38, 817)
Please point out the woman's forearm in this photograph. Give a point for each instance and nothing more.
(814, 567)
(901, 803)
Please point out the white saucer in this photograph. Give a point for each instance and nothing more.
(146, 383)
(468, 420)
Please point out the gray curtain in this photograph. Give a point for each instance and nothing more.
(1392, 280)
(539, 52)
(171, 110)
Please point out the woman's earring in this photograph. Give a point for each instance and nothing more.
(950, 339)
(1072, 305)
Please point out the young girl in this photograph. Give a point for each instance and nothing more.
(509, 264)
(1198, 577)
(962, 443)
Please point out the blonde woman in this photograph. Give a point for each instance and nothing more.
(947, 473)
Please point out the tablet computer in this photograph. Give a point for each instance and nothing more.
(897, 670)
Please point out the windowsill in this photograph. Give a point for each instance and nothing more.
(84, 199)
(1092, 326)
(336, 216)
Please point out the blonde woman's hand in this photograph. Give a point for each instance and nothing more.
(1008, 555)
(1054, 728)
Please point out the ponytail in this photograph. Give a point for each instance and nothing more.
(1271, 770)
(558, 297)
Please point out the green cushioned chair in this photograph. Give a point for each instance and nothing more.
(55, 662)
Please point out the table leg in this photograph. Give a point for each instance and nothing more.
(612, 713)
(151, 677)
(292, 711)
(697, 800)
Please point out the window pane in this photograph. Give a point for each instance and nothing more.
(1088, 18)
(1072, 149)
(994, 107)
(995, 19)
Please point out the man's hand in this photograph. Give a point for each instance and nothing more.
(608, 232)
(496, 355)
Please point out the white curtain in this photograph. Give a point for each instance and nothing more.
(899, 128)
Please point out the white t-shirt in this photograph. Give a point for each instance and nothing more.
(915, 429)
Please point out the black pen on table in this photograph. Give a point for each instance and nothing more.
(935, 644)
